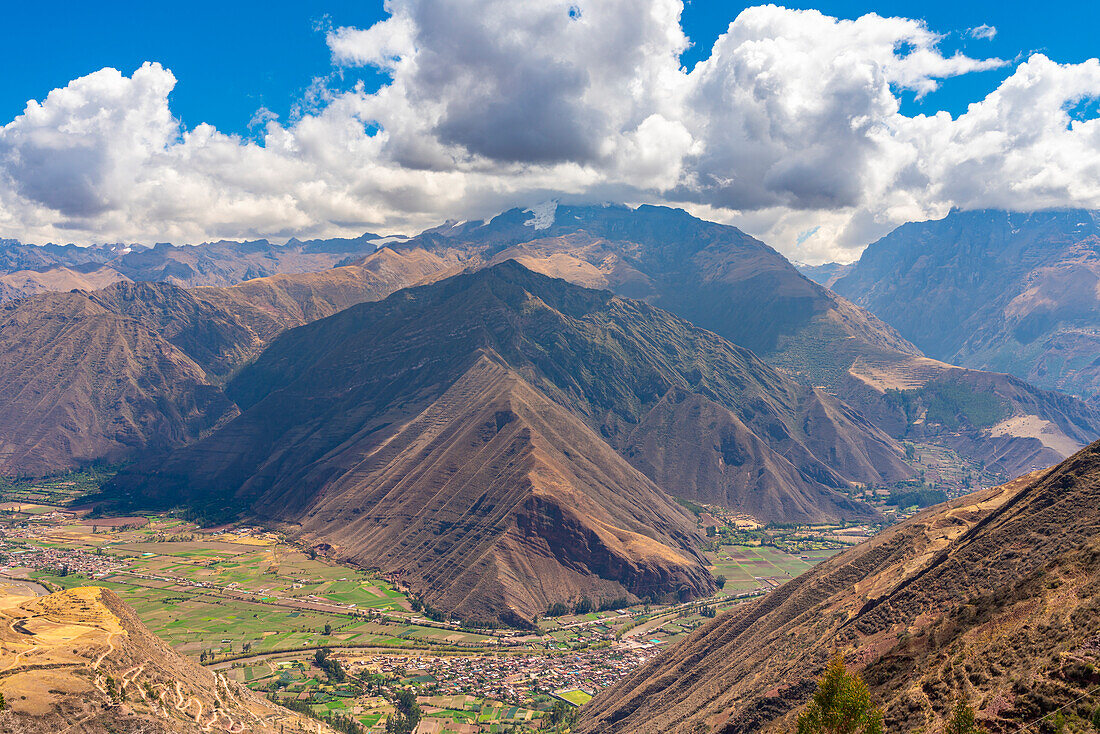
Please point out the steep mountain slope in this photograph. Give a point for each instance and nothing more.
(721, 279)
(341, 409)
(1004, 291)
(81, 661)
(495, 498)
(105, 375)
(92, 377)
(712, 274)
(994, 597)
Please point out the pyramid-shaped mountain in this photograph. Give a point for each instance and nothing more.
(722, 279)
(500, 426)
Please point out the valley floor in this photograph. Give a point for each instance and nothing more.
(243, 600)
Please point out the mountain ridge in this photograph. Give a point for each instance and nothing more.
(81, 661)
(996, 290)
(29, 269)
(751, 293)
(992, 597)
(347, 419)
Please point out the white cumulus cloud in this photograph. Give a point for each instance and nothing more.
(791, 126)
(983, 31)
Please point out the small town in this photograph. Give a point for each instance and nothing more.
(513, 679)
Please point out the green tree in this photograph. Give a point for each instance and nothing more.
(407, 716)
(721, 581)
(962, 720)
(561, 716)
(841, 705)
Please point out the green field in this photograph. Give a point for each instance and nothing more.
(576, 697)
(163, 580)
(742, 565)
(59, 490)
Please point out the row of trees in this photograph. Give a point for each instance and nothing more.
(406, 718)
(336, 720)
(333, 669)
(584, 605)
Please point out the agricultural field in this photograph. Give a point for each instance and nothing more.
(576, 697)
(748, 568)
(56, 491)
(228, 593)
(248, 602)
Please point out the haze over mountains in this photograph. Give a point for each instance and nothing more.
(28, 269)
(993, 290)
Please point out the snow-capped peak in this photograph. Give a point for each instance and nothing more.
(542, 215)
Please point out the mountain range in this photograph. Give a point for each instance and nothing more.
(719, 278)
(29, 269)
(504, 425)
(713, 275)
(993, 598)
(993, 290)
(461, 406)
(104, 376)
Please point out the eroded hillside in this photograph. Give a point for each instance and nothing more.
(994, 597)
(81, 661)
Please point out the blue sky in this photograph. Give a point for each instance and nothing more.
(1066, 31)
(232, 58)
(808, 128)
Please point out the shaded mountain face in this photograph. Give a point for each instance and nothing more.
(721, 279)
(29, 269)
(994, 290)
(109, 374)
(553, 404)
(101, 376)
(712, 274)
(994, 597)
(81, 661)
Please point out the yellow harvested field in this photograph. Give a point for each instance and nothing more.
(243, 539)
